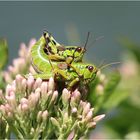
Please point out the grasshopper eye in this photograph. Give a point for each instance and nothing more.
(90, 68)
(78, 49)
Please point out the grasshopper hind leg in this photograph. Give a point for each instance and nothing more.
(43, 76)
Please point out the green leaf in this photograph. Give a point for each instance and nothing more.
(113, 81)
(126, 119)
(116, 98)
(3, 53)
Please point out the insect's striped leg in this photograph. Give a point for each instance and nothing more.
(43, 76)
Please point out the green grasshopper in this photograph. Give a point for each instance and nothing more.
(59, 70)
(57, 52)
(71, 73)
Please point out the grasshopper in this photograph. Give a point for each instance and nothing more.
(80, 72)
(47, 68)
(57, 52)
(51, 62)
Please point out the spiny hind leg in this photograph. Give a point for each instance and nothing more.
(56, 57)
(43, 76)
(54, 73)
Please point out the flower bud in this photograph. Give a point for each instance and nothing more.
(77, 95)
(37, 90)
(30, 82)
(86, 109)
(45, 115)
(31, 43)
(65, 97)
(19, 79)
(8, 89)
(54, 98)
(32, 100)
(37, 95)
(65, 117)
(37, 83)
(9, 115)
(81, 106)
(71, 135)
(89, 116)
(11, 69)
(48, 96)
(51, 84)
(75, 98)
(24, 107)
(18, 83)
(44, 88)
(55, 122)
(23, 50)
(39, 116)
(74, 110)
(99, 117)
(91, 125)
(24, 101)
(21, 64)
(11, 99)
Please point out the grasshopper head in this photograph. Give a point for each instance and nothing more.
(89, 73)
(76, 52)
(79, 53)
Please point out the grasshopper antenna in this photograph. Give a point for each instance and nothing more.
(86, 40)
(84, 46)
(101, 63)
(104, 66)
(96, 39)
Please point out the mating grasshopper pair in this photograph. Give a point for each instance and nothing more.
(64, 63)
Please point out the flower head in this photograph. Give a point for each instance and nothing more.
(34, 107)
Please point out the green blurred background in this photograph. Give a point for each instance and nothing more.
(69, 23)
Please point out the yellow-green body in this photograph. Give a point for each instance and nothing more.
(60, 69)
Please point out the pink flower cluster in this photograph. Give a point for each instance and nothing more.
(21, 65)
(28, 100)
